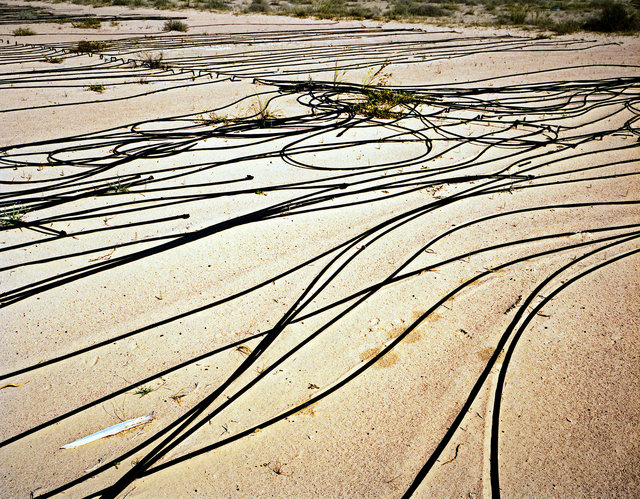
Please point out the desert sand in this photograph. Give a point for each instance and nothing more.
(315, 298)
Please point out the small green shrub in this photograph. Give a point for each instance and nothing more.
(518, 13)
(362, 12)
(117, 187)
(154, 61)
(540, 18)
(299, 11)
(613, 17)
(566, 27)
(381, 103)
(10, 217)
(97, 87)
(85, 46)
(88, 23)
(263, 113)
(408, 8)
(212, 118)
(216, 5)
(329, 9)
(258, 6)
(175, 25)
(27, 15)
(143, 390)
(23, 32)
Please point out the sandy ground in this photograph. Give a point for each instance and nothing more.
(310, 301)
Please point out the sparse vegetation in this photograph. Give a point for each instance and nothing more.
(518, 13)
(338, 76)
(560, 17)
(85, 46)
(331, 9)
(410, 8)
(154, 61)
(215, 5)
(28, 15)
(11, 217)
(96, 87)
(143, 390)
(258, 6)
(175, 25)
(373, 75)
(381, 103)
(604, 16)
(614, 16)
(23, 32)
(263, 113)
(117, 187)
(53, 60)
(244, 350)
(88, 23)
(212, 118)
(277, 467)
(565, 27)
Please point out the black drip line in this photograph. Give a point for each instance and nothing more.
(505, 135)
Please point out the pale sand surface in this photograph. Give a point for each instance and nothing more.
(569, 419)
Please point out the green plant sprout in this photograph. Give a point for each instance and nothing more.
(12, 216)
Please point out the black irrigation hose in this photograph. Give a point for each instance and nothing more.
(21, 14)
(495, 425)
(461, 142)
(399, 276)
(333, 389)
(181, 433)
(109, 494)
(146, 152)
(507, 335)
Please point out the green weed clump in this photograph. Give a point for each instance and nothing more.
(411, 8)
(264, 114)
(28, 15)
(154, 61)
(212, 118)
(566, 27)
(381, 103)
(11, 217)
(117, 187)
(88, 23)
(97, 87)
(175, 25)
(214, 5)
(258, 6)
(330, 9)
(85, 46)
(23, 32)
(568, 16)
(614, 16)
(518, 13)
